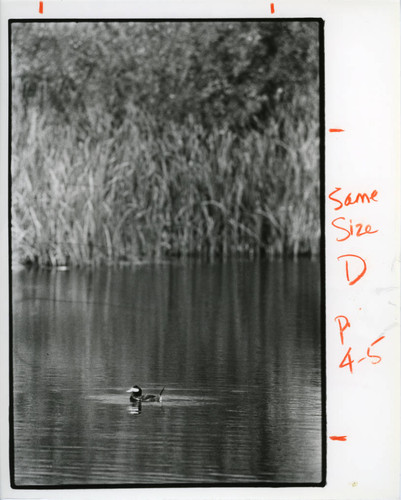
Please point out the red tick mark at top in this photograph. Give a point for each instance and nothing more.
(40, 7)
(272, 8)
(336, 130)
(338, 438)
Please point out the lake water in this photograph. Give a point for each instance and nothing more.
(237, 345)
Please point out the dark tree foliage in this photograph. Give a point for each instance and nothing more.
(233, 75)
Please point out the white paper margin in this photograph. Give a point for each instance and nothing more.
(362, 97)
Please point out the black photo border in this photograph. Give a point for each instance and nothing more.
(322, 164)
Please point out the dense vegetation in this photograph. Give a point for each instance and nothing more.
(148, 140)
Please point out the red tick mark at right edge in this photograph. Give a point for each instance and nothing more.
(40, 7)
(336, 130)
(338, 438)
(272, 8)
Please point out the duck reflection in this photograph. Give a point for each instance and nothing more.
(135, 408)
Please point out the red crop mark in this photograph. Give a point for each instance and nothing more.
(336, 130)
(272, 8)
(338, 438)
(40, 7)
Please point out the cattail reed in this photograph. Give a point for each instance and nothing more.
(107, 195)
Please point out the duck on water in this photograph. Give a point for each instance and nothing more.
(137, 396)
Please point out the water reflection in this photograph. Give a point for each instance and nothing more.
(135, 408)
(238, 346)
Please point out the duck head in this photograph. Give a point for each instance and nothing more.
(136, 391)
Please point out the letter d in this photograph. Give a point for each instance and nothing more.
(357, 261)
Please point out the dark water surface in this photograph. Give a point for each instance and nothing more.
(238, 346)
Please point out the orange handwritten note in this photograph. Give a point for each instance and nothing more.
(355, 266)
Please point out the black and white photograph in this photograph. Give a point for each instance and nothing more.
(166, 257)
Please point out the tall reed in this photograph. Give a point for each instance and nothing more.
(88, 192)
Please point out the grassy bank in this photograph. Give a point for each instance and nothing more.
(97, 193)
